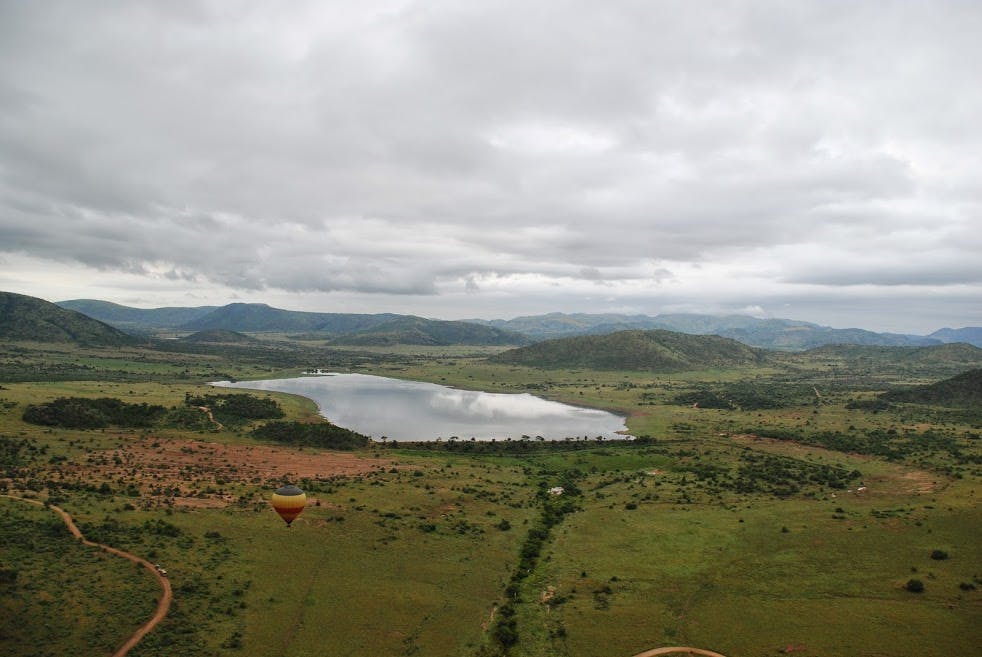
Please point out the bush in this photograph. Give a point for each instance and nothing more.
(939, 555)
(84, 413)
(915, 586)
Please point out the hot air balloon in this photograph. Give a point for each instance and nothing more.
(289, 501)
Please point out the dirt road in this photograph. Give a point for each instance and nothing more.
(678, 650)
(162, 606)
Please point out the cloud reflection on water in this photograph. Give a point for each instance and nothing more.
(411, 410)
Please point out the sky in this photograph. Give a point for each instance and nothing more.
(819, 161)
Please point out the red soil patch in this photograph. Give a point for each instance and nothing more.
(181, 469)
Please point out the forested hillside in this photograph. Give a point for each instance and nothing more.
(29, 318)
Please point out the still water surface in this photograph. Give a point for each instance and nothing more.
(411, 410)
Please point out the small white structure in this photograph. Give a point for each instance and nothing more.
(557, 490)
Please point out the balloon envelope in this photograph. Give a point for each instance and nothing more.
(289, 501)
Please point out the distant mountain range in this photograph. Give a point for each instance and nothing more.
(388, 328)
(138, 319)
(338, 328)
(786, 334)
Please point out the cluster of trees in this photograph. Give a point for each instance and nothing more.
(323, 434)
(871, 405)
(16, 453)
(777, 475)
(236, 408)
(84, 413)
(526, 445)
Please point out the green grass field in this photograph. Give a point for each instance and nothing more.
(703, 534)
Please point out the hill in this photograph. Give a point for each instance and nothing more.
(29, 318)
(656, 350)
(126, 317)
(934, 362)
(218, 336)
(259, 317)
(420, 331)
(970, 334)
(959, 391)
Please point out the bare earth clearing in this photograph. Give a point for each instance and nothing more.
(182, 470)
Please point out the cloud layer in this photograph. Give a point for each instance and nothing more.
(494, 159)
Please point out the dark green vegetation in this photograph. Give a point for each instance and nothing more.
(663, 351)
(324, 435)
(28, 318)
(776, 503)
(83, 413)
(236, 408)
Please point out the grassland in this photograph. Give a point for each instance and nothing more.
(706, 532)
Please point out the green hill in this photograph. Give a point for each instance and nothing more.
(29, 318)
(126, 317)
(964, 356)
(656, 350)
(959, 391)
(218, 336)
(420, 331)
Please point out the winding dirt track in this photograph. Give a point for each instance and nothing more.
(678, 650)
(162, 606)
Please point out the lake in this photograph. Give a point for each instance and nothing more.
(411, 410)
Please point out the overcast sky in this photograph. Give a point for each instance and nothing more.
(809, 160)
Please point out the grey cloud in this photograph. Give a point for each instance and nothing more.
(402, 148)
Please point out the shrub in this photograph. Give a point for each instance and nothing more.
(915, 586)
(939, 555)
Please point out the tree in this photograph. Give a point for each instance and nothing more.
(915, 586)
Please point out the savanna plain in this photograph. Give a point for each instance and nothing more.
(783, 507)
